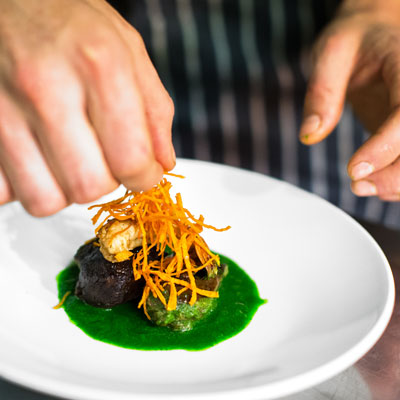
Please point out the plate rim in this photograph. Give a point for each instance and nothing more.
(283, 387)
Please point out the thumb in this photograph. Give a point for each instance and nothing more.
(334, 60)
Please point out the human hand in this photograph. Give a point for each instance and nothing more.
(82, 108)
(358, 55)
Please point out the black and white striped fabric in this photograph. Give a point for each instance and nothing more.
(237, 71)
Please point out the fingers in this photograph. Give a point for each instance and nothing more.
(382, 149)
(117, 113)
(385, 184)
(374, 167)
(28, 174)
(67, 140)
(335, 57)
(379, 151)
(157, 103)
(81, 111)
(6, 194)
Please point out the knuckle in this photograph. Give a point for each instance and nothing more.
(161, 111)
(40, 81)
(96, 52)
(103, 53)
(334, 43)
(39, 206)
(82, 191)
(137, 40)
(164, 112)
(320, 90)
(87, 188)
(27, 78)
(169, 107)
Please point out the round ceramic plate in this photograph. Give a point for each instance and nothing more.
(329, 287)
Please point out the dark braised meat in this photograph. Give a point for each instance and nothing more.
(102, 283)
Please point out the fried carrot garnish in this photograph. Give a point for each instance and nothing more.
(62, 301)
(163, 223)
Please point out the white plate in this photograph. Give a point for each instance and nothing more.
(329, 286)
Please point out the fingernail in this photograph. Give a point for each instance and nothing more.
(309, 126)
(361, 170)
(364, 188)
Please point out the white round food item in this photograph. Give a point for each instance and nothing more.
(118, 236)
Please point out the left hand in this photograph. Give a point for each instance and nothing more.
(358, 57)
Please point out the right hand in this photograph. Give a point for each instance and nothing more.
(358, 56)
(82, 108)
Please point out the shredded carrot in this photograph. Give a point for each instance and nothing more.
(163, 223)
(174, 175)
(62, 301)
(123, 255)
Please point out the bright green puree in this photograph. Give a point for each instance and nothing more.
(126, 326)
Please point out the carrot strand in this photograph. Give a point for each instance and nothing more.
(163, 223)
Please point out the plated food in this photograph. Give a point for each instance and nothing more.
(148, 251)
(307, 257)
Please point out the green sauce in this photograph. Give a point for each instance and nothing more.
(126, 326)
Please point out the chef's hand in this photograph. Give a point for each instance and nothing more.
(82, 108)
(358, 56)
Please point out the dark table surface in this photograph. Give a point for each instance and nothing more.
(375, 377)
